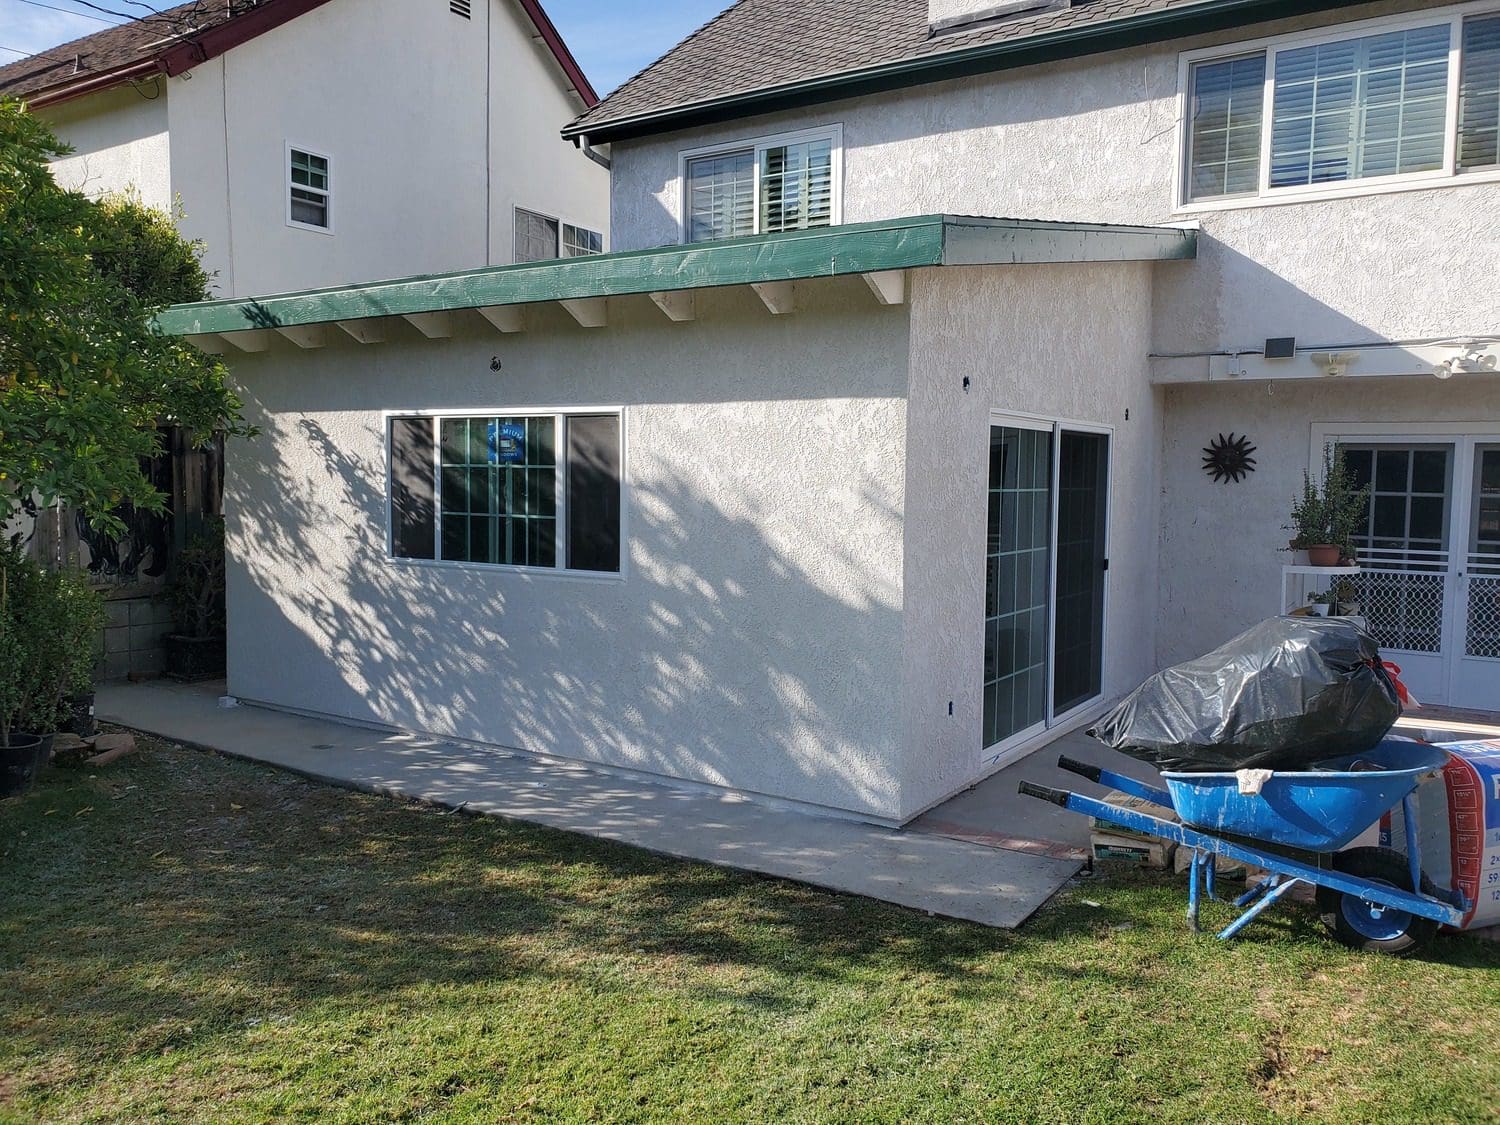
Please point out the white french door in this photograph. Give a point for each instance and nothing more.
(1046, 563)
(1429, 554)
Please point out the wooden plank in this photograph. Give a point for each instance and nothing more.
(210, 342)
(680, 305)
(765, 260)
(505, 318)
(371, 330)
(251, 340)
(776, 296)
(433, 325)
(889, 286)
(306, 335)
(856, 248)
(590, 312)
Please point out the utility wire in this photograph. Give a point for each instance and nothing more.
(65, 11)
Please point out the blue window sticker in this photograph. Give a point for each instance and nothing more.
(507, 442)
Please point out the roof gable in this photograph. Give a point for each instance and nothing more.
(178, 39)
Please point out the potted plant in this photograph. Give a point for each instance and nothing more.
(1320, 604)
(195, 651)
(1345, 595)
(20, 753)
(1327, 513)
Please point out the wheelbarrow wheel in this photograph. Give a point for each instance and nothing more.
(1363, 925)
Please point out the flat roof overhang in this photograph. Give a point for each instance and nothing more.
(881, 252)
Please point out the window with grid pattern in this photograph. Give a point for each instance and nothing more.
(1227, 106)
(721, 196)
(308, 202)
(1374, 106)
(532, 490)
(536, 237)
(578, 242)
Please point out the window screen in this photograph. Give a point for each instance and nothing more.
(536, 237)
(594, 492)
(413, 489)
(721, 196)
(1227, 110)
(1374, 106)
(309, 189)
(796, 186)
(1479, 94)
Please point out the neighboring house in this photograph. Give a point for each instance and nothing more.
(320, 142)
(814, 491)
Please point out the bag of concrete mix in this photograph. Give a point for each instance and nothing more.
(1458, 817)
(1282, 695)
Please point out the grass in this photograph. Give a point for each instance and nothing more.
(186, 937)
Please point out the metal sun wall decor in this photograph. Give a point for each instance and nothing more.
(1228, 459)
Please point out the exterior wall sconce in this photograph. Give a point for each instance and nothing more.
(1333, 365)
(1471, 359)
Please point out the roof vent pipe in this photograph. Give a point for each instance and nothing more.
(959, 15)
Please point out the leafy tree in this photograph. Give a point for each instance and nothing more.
(85, 380)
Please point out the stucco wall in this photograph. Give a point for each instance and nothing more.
(119, 140)
(1097, 139)
(1063, 342)
(755, 638)
(428, 162)
(1221, 543)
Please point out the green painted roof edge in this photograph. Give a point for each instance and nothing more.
(1049, 46)
(892, 244)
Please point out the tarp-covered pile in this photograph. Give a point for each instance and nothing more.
(1284, 694)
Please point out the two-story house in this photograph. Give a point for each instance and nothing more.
(814, 490)
(320, 142)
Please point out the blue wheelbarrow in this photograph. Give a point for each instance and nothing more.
(1297, 828)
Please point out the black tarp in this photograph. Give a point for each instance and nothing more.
(1283, 694)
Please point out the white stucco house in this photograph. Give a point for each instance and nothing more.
(322, 142)
(816, 490)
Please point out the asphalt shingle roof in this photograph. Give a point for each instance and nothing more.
(760, 45)
(110, 48)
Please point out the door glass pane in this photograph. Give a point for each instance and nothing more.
(1402, 540)
(1020, 499)
(1082, 502)
(1482, 627)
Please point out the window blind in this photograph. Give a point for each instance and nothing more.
(1374, 106)
(796, 186)
(1227, 110)
(1479, 95)
(721, 196)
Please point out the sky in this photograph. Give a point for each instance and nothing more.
(612, 39)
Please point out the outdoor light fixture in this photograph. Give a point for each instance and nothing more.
(1333, 364)
(1472, 359)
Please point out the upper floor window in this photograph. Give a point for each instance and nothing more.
(540, 238)
(309, 198)
(774, 184)
(1336, 113)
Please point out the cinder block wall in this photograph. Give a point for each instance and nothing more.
(131, 643)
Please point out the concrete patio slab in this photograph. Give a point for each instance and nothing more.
(921, 870)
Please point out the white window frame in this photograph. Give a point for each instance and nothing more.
(1265, 195)
(833, 133)
(557, 414)
(294, 146)
(561, 222)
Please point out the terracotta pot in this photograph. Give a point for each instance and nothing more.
(1324, 554)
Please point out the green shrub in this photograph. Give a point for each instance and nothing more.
(48, 622)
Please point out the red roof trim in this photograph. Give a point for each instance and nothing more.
(182, 56)
(559, 49)
(215, 41)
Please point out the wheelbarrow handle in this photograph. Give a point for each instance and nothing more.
(1082, 769)
(1044, 792)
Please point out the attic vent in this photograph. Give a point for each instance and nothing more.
(961, 15)
(460, 8)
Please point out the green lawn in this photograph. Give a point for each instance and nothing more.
(184, 937)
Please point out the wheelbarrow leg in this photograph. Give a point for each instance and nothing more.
(1210, 869)
(1256, 891)
(1193, 886)
(1266, 902)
